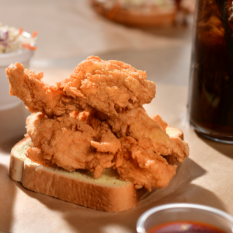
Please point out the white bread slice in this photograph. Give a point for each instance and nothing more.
(108, 193)
(174, 132)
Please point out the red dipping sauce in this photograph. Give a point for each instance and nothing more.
(185, 227)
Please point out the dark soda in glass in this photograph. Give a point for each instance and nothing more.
(211, 78)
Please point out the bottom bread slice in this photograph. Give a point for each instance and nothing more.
(108, 193)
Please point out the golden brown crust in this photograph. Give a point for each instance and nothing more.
(106, 86)
(110, 198)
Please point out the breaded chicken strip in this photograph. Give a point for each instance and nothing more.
(94, 120)
(137, 124)
(78, 141)
(107, 86)
(40, 97)
(138, 163)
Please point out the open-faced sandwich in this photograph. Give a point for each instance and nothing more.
(89, 141)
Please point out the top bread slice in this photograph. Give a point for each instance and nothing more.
(108, 193)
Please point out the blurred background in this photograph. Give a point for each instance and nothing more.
(71, 30)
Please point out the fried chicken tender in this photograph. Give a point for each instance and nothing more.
(107, 86)
(137, 124)
(95, 120)
(138, 163)
(78, 141)
(36, 156)
(157, 118)
(37, 96)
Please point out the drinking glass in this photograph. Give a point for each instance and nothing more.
(210, 104)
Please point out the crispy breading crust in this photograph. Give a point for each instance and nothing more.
(107, 86)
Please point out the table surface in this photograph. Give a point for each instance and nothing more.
(204, 178)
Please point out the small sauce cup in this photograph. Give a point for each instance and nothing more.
(22, 56)
(184, 212)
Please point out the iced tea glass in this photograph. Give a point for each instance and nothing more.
(210, 104)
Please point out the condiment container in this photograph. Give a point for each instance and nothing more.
(22, 56)
(184, 212)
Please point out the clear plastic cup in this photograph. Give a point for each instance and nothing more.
(184, 212)
(22, 56)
